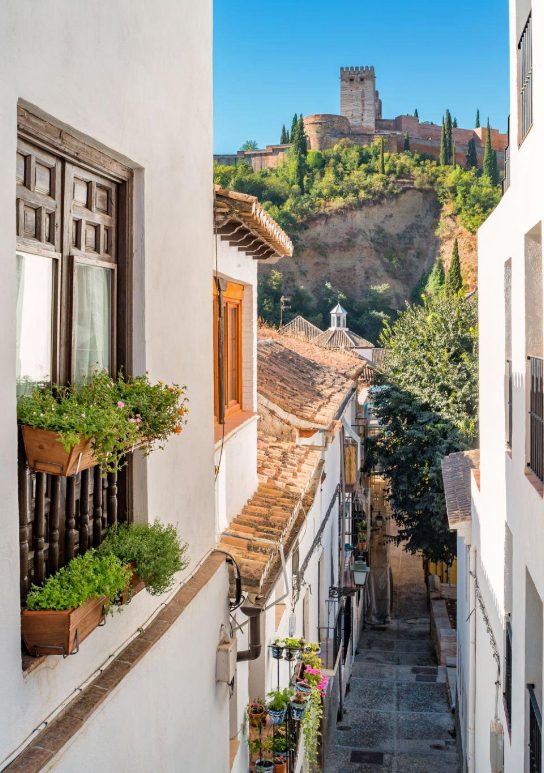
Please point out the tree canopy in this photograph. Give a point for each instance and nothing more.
(426, 403)
(250, 145)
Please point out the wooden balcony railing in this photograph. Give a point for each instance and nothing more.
(60, 518)
(536, 417)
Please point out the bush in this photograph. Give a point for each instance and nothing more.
(85, 577)
(155, 550)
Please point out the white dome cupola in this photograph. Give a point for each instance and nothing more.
(338, 318)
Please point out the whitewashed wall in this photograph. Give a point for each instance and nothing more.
(136, 78)
(507, 496)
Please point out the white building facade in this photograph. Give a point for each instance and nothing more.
(497, 505)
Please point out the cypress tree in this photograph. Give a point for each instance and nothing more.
(293, 126)
(455, 123)
(284, 137)
(435, 281)
(477, 124)
(299, 145)
(472, 158)
(454, 278)
(416, 114)
(382, 157)
(302, 135)
(488, 154)
(406, 141)
(448, 128)
(443, 146)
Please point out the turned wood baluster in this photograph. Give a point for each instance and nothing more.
(54, 521)
(84, 512)
(70, 518)
(24, 517)
(39, 529)
(105, 502)
(97, 507)
(112, 498)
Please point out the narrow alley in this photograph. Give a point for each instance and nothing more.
(397, 716)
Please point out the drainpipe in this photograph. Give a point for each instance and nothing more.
(472, 666)
(255, 646)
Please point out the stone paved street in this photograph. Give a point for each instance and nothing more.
(397, 715)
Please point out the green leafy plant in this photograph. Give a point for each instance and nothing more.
(86, 577)
(293, 644)
(155, 550)
(278, 700)
(115, 414)
(311, 729)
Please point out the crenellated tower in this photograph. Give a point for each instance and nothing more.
(359, 100)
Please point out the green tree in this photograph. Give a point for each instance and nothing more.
(426, 403)
(443, 145)
(490, 164)
(416, 114)
(250, 145)
(454, 277)
(435, 280)
(406, 141)
(299, 153)
(455, 124)
(477, 123)
(448, 126)
(382, 156)
(294, 124)
(284, 137)
(270, 290)
(472, 157)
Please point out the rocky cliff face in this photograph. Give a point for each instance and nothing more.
(394, 242)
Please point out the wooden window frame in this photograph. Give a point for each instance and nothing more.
(525, 67)
(233, 297)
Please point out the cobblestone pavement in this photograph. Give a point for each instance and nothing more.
(397, 716)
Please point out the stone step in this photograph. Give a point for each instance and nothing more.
(342, 760)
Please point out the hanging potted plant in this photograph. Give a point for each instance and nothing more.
(277, 647)
(153, 551)
(278, 703)
(67, 429)
(256, 713)
(60, 614)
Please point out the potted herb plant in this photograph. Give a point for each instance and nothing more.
(277, 647)
(278, 703)
(256, 713)
(67, 429)
(154, 552)
(60, 614)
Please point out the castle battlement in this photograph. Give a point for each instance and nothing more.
(345, 72)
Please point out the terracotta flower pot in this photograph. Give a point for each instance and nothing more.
(280, 767)
(45, 453)
(60, 632)
(135, 585)
(257, 718)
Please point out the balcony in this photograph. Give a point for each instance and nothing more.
(535, 733)
(536, 418)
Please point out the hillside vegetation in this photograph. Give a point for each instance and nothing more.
(375, 260)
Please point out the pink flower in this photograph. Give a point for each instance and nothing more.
(120, 404)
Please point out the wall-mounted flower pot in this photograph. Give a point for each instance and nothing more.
(45, 453)
(264, 766)
(298, 709)
(256, 718)
(60, 632)
(277, 716)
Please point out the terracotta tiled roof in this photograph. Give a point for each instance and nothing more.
(301, 328)
(288, 477)
(456, 471)
(242, 221)
(342, 338)
(304, 381)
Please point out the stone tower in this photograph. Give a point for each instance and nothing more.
(359, 101)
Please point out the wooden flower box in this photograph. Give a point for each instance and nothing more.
(135, 585)
(45, 453)
(60, 632)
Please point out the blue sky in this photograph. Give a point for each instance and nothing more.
(275, 58)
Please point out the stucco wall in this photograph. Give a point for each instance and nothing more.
(135, 78)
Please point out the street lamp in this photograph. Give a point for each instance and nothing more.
(360, 572)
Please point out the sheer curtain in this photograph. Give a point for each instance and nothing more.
(92, 321)
(34, 306)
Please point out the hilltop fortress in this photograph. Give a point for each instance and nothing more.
(361, 121)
